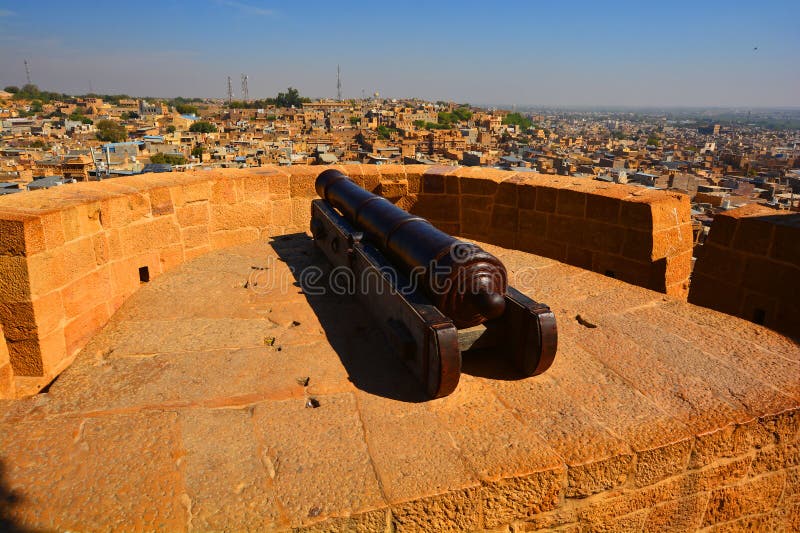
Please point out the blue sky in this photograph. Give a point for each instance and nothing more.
(527, 52)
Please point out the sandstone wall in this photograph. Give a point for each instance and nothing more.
(750, 267)
(739, 478)
(640, 236)
(6, 372)
(70, 256)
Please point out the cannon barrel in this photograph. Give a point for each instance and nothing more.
(465, 282)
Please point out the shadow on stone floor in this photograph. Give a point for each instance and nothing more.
(362, 348)
(8, 500)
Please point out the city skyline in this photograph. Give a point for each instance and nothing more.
(628, 54)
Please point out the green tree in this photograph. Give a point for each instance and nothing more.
(355, 121)
(169, 159)
(13, 89)
(39, 143)
(290, 98)
(202, 126)
(515, 119)
(110, 131)
(186, 109)
(419, 124)
(170, 129)
(384, 132)
(198, 150)
(652, 141)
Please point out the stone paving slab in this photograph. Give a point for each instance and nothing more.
(188, 412)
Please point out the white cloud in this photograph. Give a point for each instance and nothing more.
(6, 13)
(247, 8)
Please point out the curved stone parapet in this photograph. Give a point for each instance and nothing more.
(750, 267)
(71, 255)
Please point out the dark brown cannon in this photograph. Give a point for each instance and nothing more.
(433, 295)
(464, 281)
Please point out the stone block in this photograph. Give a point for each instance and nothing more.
(753, 496)
(475, 223)
(279, 186)
(684, 514)
(161, 201)
(771, 278)
(197, 190)
(571, 203)
(433, 183)
(79, 330)
(479, 186)
(302, 181)
(21, 234)
(117, 212)
(507, 194)
(722, 230)
(753, 236)
(393, 189)
(603, 208)
(600, 236)
(239, 216)
(50, 270)
(227, 490)
(709, 291)
(437, 207)
(149, 235)
(14, 279)
(505, 218)
(539, 245)
(85, 219)
(534, 222)
(476, 203)
(84, 293)
(720, 262)
(526, 193)
(225, 238)
(194, 236)
(195, 214)
(786, 243)
(454, 511)
(546, 199)
(255, 187)
(297, 465)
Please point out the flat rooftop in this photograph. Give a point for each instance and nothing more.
(188, 411)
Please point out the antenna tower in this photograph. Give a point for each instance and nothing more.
(245, 94)
(338, 83)
(27, 72)
(230, 91)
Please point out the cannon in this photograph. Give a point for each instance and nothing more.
(433, 295)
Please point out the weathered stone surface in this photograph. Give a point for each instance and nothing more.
(750, 497)
(192, 403)
(95, 473)
(332, 449)
(227, 476)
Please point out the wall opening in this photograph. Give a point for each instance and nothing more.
(610, 274)
(758, 316)
(144, 274)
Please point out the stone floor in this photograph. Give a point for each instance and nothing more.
(189, 410)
